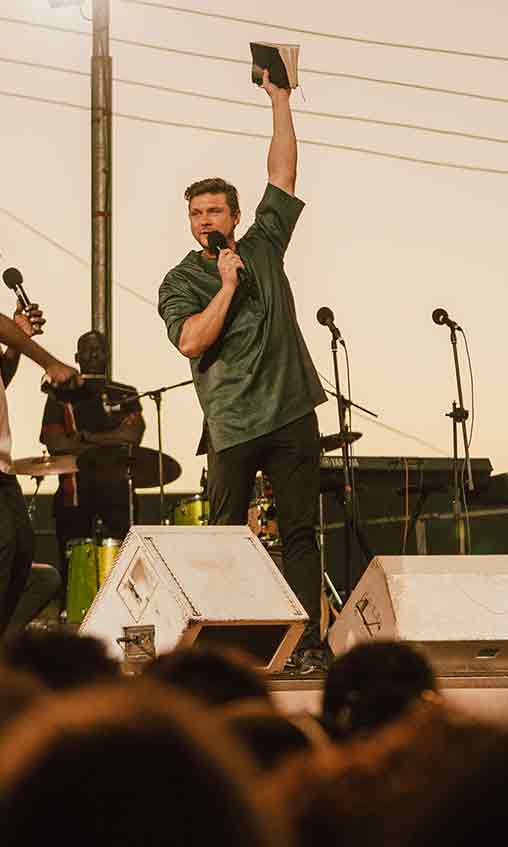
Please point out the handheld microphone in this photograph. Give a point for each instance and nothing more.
(106, 405)
(216, 243)
(14, 280)
(441, 318)
(325, 317)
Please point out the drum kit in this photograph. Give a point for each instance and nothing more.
(91, 559)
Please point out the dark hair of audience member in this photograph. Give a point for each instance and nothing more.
(134, 765)
(432, 778)
(269, 735)
(61, 660)
(18, 691)
(372, 684)
(216, 675)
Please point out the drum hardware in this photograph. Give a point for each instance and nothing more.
(337, 440)
(37, 467)
(192, 511)
(162, 477)
(139, 466)
(262, 514)
(40, 466)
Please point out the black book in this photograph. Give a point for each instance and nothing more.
(281, 61)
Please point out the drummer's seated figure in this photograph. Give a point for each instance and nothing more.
(81, 505)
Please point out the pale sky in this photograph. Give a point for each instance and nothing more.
(381, 242)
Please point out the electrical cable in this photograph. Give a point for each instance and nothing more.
(470, 438)
(311, 71)
(329, 35)
(241, 134)
(265, 106)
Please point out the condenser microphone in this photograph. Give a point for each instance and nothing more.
(216, 243)
(14, 280)
(325, 317)
(441, 318)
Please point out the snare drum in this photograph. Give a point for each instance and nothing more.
(193, 511)
(83, 578)
(107, 552)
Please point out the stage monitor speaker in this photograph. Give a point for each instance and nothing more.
(179, 585)
(454, 609)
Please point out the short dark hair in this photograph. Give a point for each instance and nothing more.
(373, 683)
(215, 185)
(92, 333)
(216, 674)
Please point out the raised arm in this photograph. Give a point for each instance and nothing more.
(282, 155)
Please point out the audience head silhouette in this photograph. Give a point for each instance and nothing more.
(216, 675)
(61, 660)
(130, 764)
(372, 684)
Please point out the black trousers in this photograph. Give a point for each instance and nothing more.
(42, 586)
(16, 547)
(290, 458)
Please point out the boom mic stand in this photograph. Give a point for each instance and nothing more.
(325, 317)
(459, 415)
(156, 396)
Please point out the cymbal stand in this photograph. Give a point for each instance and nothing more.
(459, 415)
(32, 505)
(130, 484)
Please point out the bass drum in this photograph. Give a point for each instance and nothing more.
(192, 511)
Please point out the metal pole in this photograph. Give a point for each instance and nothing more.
(101, 91)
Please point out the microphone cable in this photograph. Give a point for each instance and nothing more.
(470, 438)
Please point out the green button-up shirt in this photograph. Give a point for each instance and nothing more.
(263, 377)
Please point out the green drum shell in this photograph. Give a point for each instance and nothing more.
(107, 552)
(192, 511)
(82, 581)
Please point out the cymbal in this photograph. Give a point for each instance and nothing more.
(337, 440)
(109, 465)
(44, 465)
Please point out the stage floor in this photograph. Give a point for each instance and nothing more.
(482, 697)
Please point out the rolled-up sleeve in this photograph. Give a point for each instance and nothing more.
(177, 302)
(276, 217)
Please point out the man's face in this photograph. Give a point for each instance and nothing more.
(91, 355)
(208, 212)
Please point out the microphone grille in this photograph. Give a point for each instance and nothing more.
(12, 278)
(324, 315)
(439, 316)
(216, 241)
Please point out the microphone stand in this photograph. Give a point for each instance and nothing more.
(156, 396)
(459, 415)
(346, 467)
(349, 403)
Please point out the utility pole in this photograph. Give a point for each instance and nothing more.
(101, 101)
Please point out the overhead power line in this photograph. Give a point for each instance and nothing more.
(311, 71)
(304, 141)
(330, 35)
(83, 262)
(249, 103)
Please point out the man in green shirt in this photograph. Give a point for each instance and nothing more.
(234, 318)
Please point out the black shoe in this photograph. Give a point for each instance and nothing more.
(309, 660)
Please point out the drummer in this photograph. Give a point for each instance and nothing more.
(82, 507)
